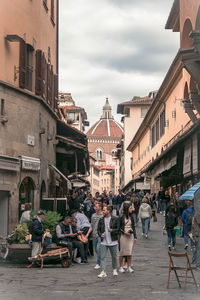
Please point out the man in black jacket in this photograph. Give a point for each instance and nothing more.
(108, 230)
(37, 232)
(67, 235)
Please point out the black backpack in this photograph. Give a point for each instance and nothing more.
(171, 220)
(190, 215)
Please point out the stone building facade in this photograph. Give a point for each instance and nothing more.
(28, 105)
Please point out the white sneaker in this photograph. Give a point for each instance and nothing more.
(125, 266)
(102, 274)
(130, 270)
(97, 267)
(121, 270)
(115, 272)
(78, 260)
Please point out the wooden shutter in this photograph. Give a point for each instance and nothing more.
(55, 91)
(49, 83)
(52, 88)
(38, 73)
(22, 65)
(44, 77)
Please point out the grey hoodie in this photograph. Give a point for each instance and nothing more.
(145, 211)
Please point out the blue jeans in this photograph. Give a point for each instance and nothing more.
(196, 255)
(97, 248)
(135, 216)
(145, 225)
(171, 237)
(187, 229)
(163, 206)
(159, 207)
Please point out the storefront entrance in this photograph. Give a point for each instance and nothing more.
(4, 198)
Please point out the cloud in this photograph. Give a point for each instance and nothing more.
(114, 48)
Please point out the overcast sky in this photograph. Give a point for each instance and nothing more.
(113, 48)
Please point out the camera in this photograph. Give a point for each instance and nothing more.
(130, 231)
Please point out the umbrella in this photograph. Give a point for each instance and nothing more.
(190, 194)
(193, 194)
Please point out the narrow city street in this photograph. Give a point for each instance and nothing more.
(80, 281)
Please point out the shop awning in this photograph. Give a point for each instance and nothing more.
(190, 194)
(69, 185)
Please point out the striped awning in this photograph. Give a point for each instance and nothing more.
(190, 194)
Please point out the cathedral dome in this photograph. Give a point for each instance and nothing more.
(106, 126)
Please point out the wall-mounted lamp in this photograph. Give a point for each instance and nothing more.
(13, 38)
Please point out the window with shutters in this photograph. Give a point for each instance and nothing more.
(157, 131)
(162, 123)
(2, 107)
(46, 83)
(153, 135)
(38, 74)
(26, 66)
(29, 67)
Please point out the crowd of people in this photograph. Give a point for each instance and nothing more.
(110, 222)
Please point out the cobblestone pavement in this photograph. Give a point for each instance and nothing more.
(80, 281)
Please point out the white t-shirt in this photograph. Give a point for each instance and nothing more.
(107, 241)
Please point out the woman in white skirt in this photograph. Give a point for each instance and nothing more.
(127, 237)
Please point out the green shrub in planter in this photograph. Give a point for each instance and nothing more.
(51, 220)
(20, 233)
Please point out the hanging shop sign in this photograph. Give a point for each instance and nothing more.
(30, 163)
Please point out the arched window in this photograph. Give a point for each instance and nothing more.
(99, 154)
(186, 93)
(114, 152)
(187, 41)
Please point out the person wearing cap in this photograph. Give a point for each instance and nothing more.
(37, 232)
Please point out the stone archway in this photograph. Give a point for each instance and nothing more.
(187, 41)
(26, 193)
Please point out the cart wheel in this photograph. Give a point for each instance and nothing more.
(65, 263)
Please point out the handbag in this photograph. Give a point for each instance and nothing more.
(82, 238)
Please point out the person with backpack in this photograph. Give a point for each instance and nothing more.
(171, 222)
(187, 217)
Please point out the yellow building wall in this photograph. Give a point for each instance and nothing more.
(30, 21)
(173, 102)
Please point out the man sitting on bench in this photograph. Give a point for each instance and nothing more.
(67, 236)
